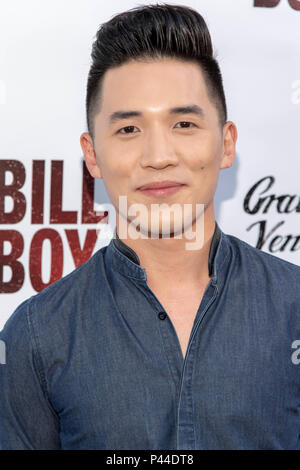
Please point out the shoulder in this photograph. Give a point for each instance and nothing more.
(262, 264)
(54, 307)
(76, 282)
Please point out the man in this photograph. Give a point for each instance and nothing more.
(150, 345)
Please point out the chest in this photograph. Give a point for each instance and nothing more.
(182, 311)
(114, 387)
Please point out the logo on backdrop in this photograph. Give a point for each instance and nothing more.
(295, 4)
(260, 200)
(12, 191)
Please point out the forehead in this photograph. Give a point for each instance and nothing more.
(153, 84)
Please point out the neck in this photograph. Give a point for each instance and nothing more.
(167, 259)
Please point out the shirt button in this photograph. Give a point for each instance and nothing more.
(162, 315)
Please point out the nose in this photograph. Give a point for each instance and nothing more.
(158, 151)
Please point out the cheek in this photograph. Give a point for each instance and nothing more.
(204, 154)
(115, 173)
(206, 161)
(112, 163)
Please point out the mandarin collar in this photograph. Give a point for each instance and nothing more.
(121, 247)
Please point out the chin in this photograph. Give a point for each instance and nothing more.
(162, 228)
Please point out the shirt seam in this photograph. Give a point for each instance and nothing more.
(34, 339)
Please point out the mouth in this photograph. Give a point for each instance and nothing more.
(161, 189)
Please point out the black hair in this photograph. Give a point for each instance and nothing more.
(153, 32)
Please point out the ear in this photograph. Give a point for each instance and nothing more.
(87, 146)
(229, 141)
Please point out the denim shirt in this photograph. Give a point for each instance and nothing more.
(94, 362)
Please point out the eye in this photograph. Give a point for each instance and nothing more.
(186, 122)
(126, 128)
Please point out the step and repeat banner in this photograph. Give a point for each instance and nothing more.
(53, 215)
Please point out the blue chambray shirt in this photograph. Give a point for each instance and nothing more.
(94, 362)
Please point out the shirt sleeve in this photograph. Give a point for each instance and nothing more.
(27, 419)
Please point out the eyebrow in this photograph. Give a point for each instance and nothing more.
(190, 109)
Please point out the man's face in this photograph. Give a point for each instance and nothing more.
(158, 145)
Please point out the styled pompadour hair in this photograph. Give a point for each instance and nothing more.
(153, 32)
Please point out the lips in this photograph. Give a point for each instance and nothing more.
(161, 189)
(160, 185)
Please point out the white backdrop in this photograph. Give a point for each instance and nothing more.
(44, 61)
